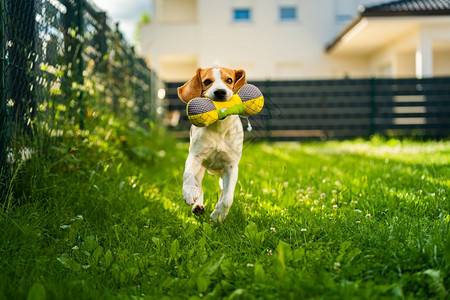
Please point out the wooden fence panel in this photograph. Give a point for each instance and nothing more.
(347, 108)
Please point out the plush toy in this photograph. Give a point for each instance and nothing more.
(204, 111)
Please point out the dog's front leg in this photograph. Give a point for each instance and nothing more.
(192, 183)
(230, 176)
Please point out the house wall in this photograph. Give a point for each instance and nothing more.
(203, 31)
(437, 35)
(441, 62)
(399, 58)
(176, 11)
(396, 59)
(185, 34)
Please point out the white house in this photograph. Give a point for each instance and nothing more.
(299, 39)
(408, 38)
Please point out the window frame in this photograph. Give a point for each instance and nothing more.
(236, 10)
(288, 9)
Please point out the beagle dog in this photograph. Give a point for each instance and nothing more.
(217, 147)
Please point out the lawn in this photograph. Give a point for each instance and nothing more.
(103, 217)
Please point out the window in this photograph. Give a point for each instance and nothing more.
(288, 13)
(177, 11)
(241, 15)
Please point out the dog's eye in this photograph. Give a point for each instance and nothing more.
(229, 81)
(207, 82)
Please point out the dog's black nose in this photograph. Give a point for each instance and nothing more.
(220, 94)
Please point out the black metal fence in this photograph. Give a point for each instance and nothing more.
(60, 62)
(347, 108)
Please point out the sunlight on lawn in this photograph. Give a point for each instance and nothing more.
(361, 219)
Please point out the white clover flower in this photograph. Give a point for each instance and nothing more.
(322, 196)
(368, 216)
(269, 252)
(250, 265)
(336, 266)
(303, 230)
(335, 207)
(272, 229)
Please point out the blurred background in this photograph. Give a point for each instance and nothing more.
(326, 46)
(295, 39)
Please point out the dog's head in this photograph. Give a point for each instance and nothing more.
(218, 84)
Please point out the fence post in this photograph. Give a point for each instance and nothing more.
(79, 59)
(101, 43)
(73, 51)
(3, 112)
(21, 53)
(267, 105)
(116, 72)
(373, 107)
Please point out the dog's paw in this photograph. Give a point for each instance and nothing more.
(198, 209)
(191, 194)
(218, 215)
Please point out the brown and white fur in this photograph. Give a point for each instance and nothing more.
(217, 147)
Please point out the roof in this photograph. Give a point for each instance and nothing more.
(396, 8)
(408, 8)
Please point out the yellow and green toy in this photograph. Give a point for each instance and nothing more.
(204, 111)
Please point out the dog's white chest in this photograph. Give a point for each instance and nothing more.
(219, 146)
(216, 160)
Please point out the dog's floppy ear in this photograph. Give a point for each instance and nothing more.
(191, 89)
(239, 80)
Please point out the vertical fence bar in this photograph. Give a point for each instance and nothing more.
(3, 112)
(79, 60)
(21, 53)
(152, 93)
(373, 107)
(116, 72)
(18, 32)
(267, 104)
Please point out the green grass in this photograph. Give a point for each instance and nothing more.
(103, 217)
